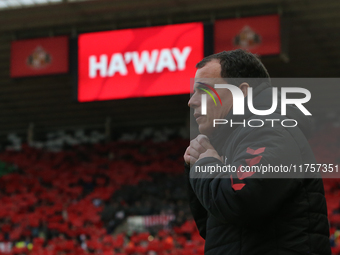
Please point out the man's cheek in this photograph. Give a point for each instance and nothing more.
(207, 121)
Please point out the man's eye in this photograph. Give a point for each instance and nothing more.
(201, 91)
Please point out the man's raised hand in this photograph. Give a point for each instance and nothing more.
(199, 148)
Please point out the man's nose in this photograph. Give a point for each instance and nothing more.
(194, 101)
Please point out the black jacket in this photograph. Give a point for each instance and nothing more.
(242, 215)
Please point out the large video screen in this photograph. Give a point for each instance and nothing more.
(142, 62)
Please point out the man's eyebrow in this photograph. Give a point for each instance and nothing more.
(202, 85)
(206, 86)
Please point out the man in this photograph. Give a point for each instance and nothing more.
(249, 213)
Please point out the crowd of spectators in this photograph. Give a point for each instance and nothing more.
(62, 198)
(73, 194)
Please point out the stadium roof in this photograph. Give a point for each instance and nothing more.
(310, 28)
(10, 4)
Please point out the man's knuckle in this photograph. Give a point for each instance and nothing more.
(199, 138)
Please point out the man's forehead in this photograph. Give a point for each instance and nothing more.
(211, 69)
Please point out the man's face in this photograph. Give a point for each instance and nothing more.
(210, 74)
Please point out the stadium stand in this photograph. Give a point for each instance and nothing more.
(77, 199)
(71, 201)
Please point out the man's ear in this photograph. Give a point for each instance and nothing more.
(244, 87)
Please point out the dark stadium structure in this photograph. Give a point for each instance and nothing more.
(310, 38)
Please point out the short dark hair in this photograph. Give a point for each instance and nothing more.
(239, 64)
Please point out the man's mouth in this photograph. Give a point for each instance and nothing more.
(197, 116)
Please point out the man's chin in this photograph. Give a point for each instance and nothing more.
(204, 130)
